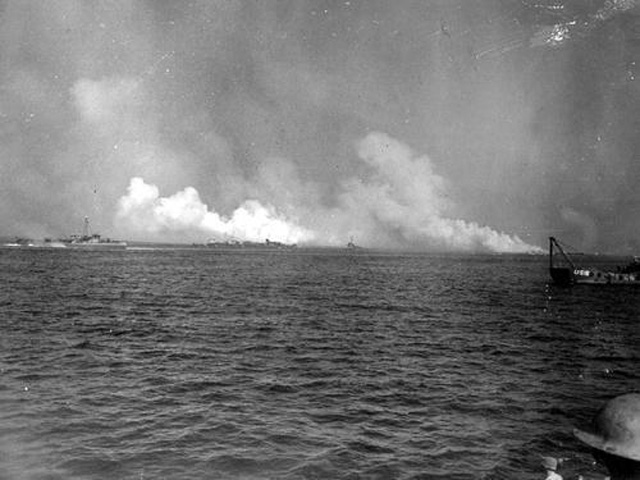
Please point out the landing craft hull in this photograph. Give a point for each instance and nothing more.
(267, 245)
(69, 245)
(581, 276)
(561, 276)
(572, 274)
(46, 244)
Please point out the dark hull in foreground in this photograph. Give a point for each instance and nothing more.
(569, 273)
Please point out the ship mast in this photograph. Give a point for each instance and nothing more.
(554, 243)
(86, 228)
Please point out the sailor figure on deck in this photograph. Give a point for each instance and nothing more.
(550, 464)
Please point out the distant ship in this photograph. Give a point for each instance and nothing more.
(352, 246)
(238, 244)
(85, 241)
(89, 241)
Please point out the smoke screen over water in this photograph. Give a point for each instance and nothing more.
(433, 125)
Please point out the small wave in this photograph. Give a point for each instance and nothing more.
(280, 388)
(82, 344)
(241, 466)
(329, 417)
(82, 467)
(368, 447)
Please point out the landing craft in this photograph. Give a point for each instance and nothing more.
(30, 243)
(571, 273)
(240, 244)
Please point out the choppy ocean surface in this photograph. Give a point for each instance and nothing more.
(202, 364)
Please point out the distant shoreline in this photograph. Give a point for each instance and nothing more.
(253, 248)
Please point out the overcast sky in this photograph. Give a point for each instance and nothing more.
(481, 125)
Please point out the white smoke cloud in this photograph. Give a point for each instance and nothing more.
(405, 202)
(401, 202)
(143, 210)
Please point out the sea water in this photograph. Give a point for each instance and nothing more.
(302, 364)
